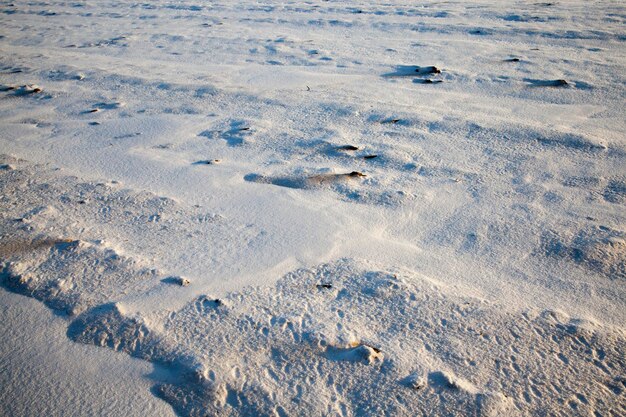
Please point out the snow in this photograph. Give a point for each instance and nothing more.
(316, 208)
(47, 375)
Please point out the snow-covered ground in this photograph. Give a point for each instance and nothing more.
(313, 208)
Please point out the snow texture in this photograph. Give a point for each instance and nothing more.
(315, 208)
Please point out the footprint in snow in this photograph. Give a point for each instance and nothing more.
(235, 135)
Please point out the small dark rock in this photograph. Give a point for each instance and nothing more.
(208, 162)
(427, 70)
(426, 81)
(558, 83)
(183, 282)
(548, 83)
(375, 349)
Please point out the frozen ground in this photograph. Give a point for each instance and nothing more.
(356, 233)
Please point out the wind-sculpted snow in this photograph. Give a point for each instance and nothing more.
(342, 338)
(317, 207)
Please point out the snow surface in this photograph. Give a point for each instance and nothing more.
(43, 374)
(315, 207)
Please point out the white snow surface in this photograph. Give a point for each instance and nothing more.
(43, 374)
(313, 207)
